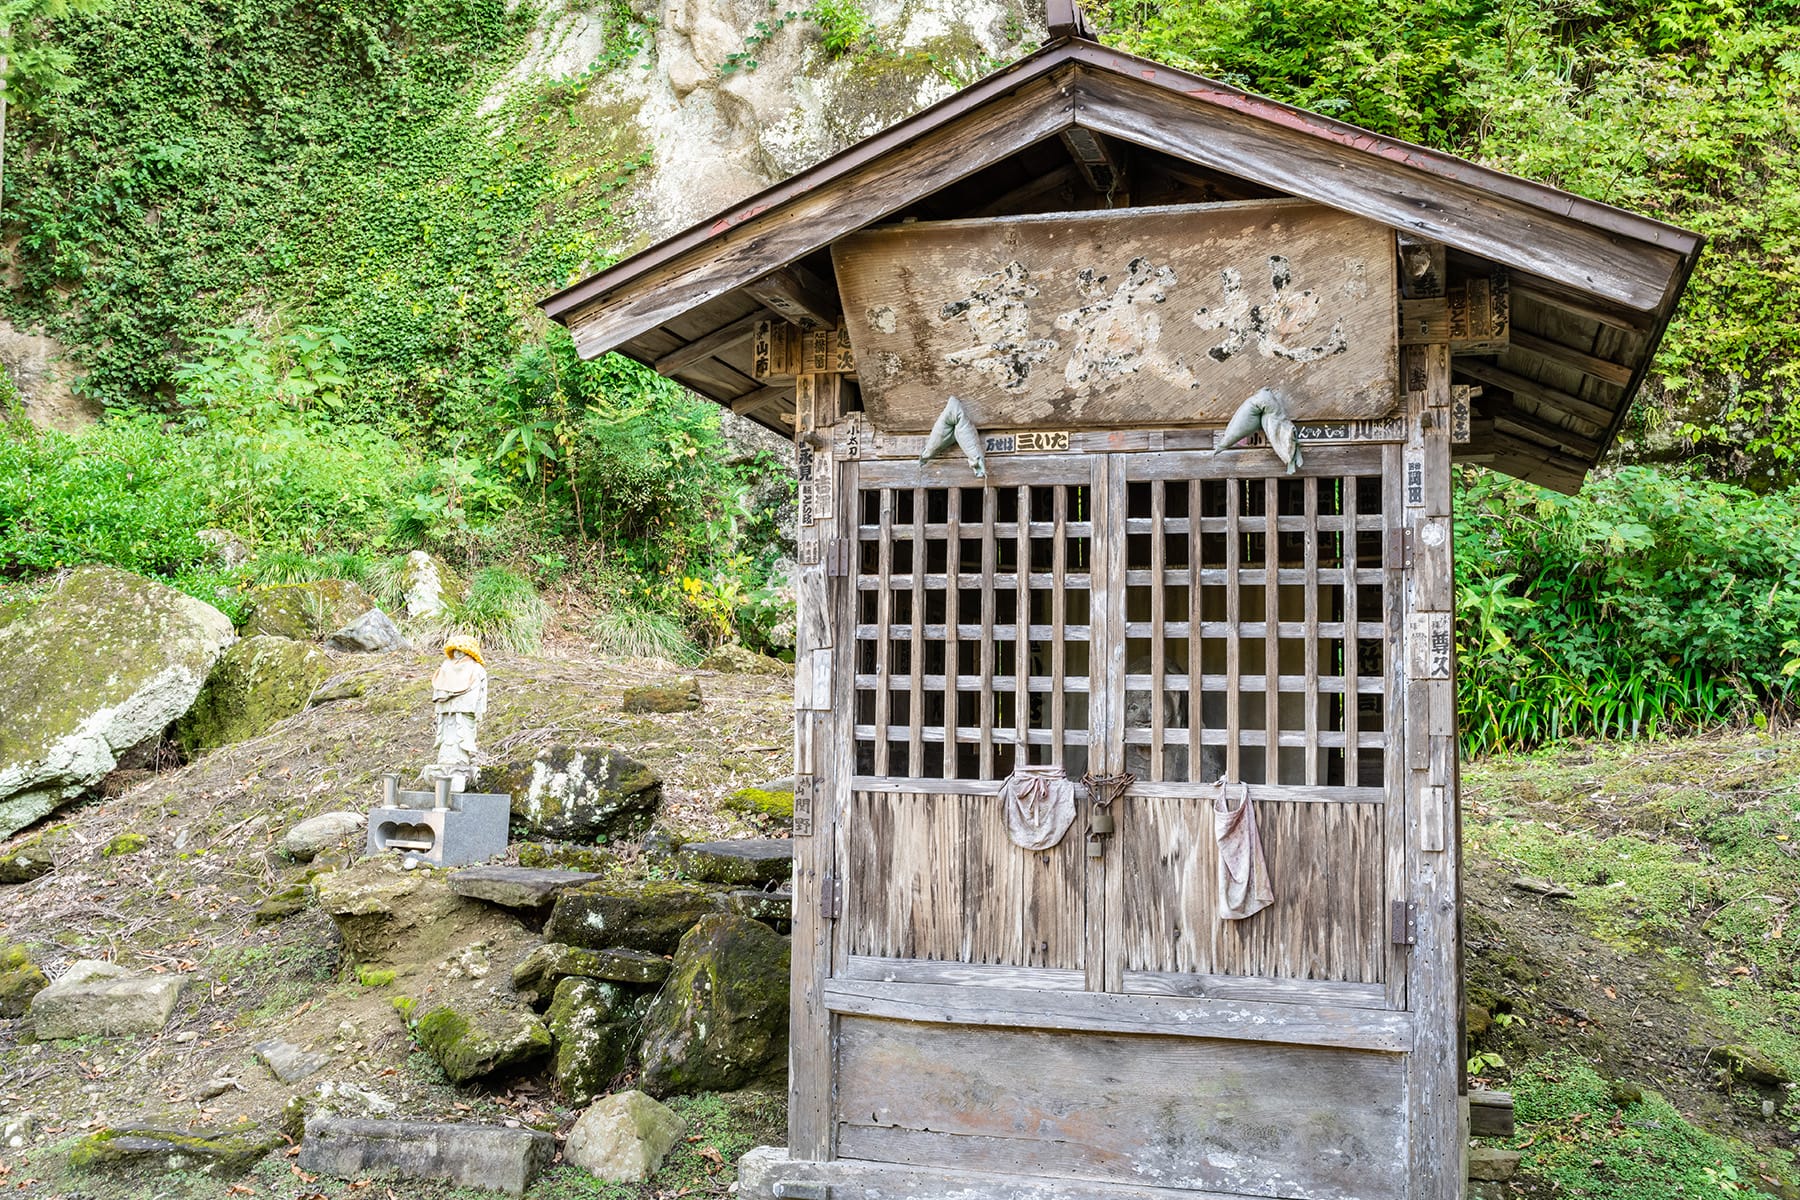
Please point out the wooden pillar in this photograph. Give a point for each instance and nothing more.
(1439, 1139)
(820, 753)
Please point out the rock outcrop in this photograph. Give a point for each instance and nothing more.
(305, 612)
(629, 914)
(105, 662)
(721, 1019)
(578, 793)
(259, 681)
(593, 1025)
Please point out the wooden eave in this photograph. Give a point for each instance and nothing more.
(1594, 286)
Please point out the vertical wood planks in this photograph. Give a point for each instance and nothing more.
(915, 709)
(1159, 565)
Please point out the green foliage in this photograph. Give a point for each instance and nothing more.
(1652, 601)
(501, 609)
(36, 66)
(643, 633)
(1578, 1140)
(845, 27)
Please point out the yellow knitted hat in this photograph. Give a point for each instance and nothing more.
(467, 645)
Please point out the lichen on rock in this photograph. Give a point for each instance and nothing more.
(259, 681)
(472, 1040)
(96, 667)
(578, 792)
(593, 1025)
(629, 914)
(721, 1019)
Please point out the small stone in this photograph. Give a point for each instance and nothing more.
(677, 695)
(315, 835)
(628, 914)
(137, 1148)
(516, 887)
(335, 1097)
(741, 861)
(1477, 1020)
(593, 1027)
(101, 999)
(288, 1062)
(1548, 889)
(372, 633)
(15, 1132)
(1625, 1093)
(660, 846)
(1490, 1165)
(225, 547)
(217, 1086)
(623, 1138)
(186, 1037)
(484, 1156)
(469, 1042)
(770, 802)
(281, 905)
(540, 971)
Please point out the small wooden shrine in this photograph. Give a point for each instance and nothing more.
(1126, 836)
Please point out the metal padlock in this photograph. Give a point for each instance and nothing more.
(1096, 847)
(1102, 821)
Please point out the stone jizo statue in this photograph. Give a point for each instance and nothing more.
(459, 698)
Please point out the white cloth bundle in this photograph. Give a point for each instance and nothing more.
(1040, 806)
(1244, 887)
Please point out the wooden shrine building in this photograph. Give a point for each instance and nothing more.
(1041, 949)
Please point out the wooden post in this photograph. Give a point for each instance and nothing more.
(820, 750)
(1439, 1135)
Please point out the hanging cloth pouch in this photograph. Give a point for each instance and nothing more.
(1244, 887)
(1040, 806)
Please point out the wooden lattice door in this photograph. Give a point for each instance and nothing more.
(1183, 617)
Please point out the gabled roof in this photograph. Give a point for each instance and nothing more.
(1593, 286)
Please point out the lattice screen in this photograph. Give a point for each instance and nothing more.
(973, 611)
(1263, 597)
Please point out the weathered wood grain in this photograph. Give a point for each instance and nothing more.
(1256, 1119)
(1126, 317)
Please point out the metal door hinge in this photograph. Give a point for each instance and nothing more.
(830, 898)
(1400, 550)
(837, 558)
(1403, 923)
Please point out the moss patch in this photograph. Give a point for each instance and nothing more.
(469, 1044)
(124, 843)
(759, 802)
(20, 980)
(131, 1148)
(259, 681)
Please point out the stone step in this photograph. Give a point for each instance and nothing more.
(740, 861)
(517, 887)
(485, 1156)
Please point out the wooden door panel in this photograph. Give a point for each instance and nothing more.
(1246, 1118)
(933, 876)
(1326, 865)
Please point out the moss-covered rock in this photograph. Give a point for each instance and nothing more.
(122, 844)
(735, 660)
(1750, 1065)
(281, 905)
(768, 803)
(137, 1148)
(425, 583)
(472, 1040)
(20, 980)
(743, 862)
(24, 865)
(673, 696)
(562, 856)
(101, 664)
(387, 915)
(721, 1019)
(593, 1025)
(538, 973)
(259, 681)
(629, 914)
(578, 792)
(305, 612)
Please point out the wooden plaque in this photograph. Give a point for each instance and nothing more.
(1154, 316)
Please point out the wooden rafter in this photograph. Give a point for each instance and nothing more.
(798, 295)
(1603, 369)
(716, 342)
(1016, 200)
(1531, 389)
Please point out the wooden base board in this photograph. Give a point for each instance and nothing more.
(766, 1173)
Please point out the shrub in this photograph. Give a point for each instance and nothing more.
(502, 609)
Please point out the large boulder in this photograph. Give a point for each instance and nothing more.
(578, 792)
(593, 1025)
(305, 612)
(259, 681)
(101, 999)
(102, 664)
(425, 585)
(623, 1138)
(721, 1019)
(629, 914)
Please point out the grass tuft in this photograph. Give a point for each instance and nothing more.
(643, 633)
(502, 609)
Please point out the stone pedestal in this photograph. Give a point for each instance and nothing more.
(468, 827)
